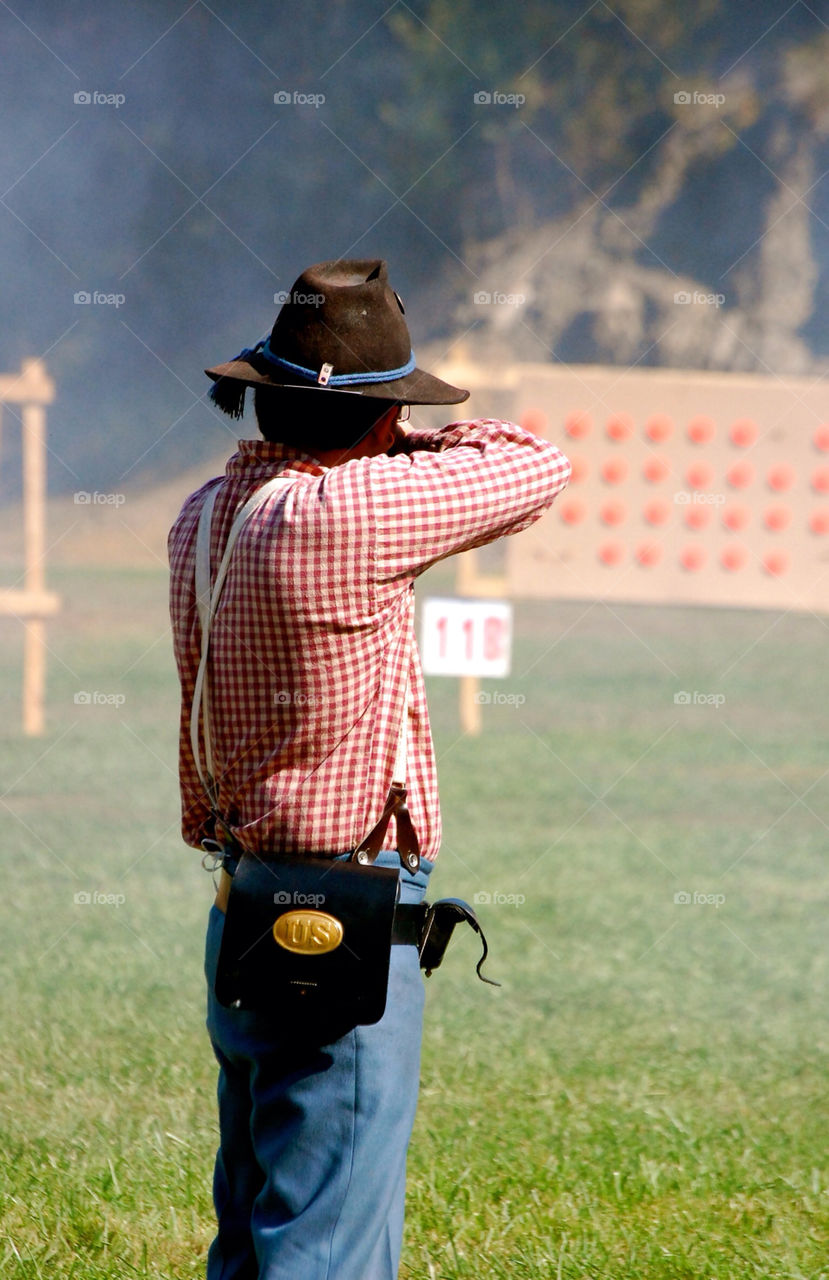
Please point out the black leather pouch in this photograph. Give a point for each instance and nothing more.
(308, 939)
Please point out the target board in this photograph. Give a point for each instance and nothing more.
(687, 487)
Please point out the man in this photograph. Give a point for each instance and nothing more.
(313, 669)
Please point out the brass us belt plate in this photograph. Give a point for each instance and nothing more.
(308, 933)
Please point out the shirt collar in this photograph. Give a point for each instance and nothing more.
(263, 457)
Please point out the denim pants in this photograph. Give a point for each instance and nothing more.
(309, 1182)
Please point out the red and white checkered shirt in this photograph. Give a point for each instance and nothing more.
(313, 638)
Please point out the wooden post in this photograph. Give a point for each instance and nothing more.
(32, 389)
(34, 533)
(470, 707)
(34, 485)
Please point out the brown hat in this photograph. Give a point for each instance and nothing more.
(340, 329)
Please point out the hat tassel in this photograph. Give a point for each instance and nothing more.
(228, 394)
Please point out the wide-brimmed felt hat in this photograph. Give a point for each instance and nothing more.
(340, 329)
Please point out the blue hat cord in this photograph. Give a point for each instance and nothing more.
(229, 393)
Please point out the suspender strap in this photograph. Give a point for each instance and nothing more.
(207, 601)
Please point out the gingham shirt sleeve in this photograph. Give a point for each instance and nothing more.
(458, 488)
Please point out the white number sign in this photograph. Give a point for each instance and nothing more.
(466, 637)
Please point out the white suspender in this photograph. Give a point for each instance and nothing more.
(207, 600)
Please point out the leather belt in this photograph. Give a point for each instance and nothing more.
(409, 917)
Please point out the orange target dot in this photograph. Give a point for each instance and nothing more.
(821, 437)
(535, 420)
(697, 517)
(781, 477)
(743, 433)
(692, 557)
(611, 553)
(740, 475)
(733, 558)
(579, 470)
(577, 425)
(775, 563)
(657, 512)
(777, 518)
(700, 475)
(614, 470)
(659, 428)
(656, 469)
(820, 479)
(819, 520)
(648, 554)
(613, 512)
(573, 511)
(619, 427)
(701, 430)
(735, 517)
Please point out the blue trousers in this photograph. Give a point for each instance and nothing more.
(309, 1182)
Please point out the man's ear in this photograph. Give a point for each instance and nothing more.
(383, 430)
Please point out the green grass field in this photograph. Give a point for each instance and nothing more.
(645, 1096)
